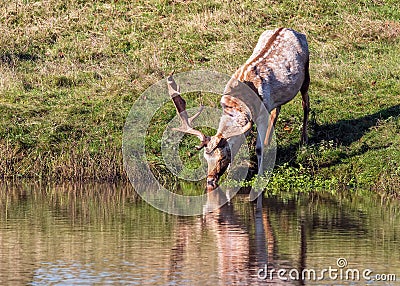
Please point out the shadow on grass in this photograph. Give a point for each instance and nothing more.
(342, 133)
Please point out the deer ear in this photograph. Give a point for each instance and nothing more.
(232, 84)
(204, 143)
(233, 126)
(213, 143)
(236, 119)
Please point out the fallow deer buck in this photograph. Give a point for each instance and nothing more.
(277, 70)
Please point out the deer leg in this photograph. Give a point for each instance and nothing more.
(306, 109)
(259, 150)
(273, 117)
(306, 105)
(260, 154)
(264, 139)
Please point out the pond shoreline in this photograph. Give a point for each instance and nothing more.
(286, 177)
(290, 184)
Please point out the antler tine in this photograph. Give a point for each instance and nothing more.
(191, 119)
(180, 105)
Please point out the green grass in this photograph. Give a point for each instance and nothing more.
(71, 70)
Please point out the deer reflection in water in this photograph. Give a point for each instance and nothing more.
(241, 248)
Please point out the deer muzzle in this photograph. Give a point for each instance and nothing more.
(212, 182)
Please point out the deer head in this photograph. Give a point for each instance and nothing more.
(235, 120)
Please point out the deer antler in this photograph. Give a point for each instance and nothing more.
(180, 105)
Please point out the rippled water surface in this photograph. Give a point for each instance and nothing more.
(103, 235)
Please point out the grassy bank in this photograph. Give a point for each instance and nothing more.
(71, 70)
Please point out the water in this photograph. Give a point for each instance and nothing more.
(100, 234)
